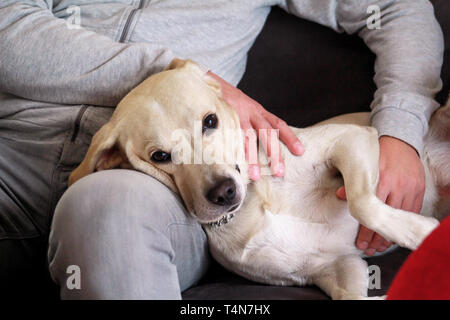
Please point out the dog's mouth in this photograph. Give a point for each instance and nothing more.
(224, 219)
(218, 218)
(219, 201)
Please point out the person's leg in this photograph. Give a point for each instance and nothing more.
(31, 143)
(130, 237)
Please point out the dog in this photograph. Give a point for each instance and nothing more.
(279, 231)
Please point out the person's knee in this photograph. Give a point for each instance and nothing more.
(116, 220)
(121, 197)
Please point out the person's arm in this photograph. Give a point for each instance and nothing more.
(42, 59)
(409, 49)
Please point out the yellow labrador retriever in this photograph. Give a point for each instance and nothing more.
(282, 231)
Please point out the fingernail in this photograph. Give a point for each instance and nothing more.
(278, 169)
(363, 245)
(254, 172)
(370, 252)
(298, 148)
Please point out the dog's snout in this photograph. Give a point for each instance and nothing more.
(223, 193)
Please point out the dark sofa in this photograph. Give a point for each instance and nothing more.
(305, 73)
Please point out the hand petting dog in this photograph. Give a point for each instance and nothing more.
(254, 118)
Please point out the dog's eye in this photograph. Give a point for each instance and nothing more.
(160, 156)
(210, 122)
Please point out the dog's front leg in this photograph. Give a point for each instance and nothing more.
(356, 154)
(346, 278)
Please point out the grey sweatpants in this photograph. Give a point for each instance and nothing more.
(128, 237)
(128, 234)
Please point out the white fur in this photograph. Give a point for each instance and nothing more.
(304, 233)
(286, 231)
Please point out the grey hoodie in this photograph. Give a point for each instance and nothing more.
(73, 52)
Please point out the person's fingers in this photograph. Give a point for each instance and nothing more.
(287, 136)
(269, 139)
(254, 172)
(408, 202)
(375, 245)
(418, 200)
(340, 193)
(378, 243)
(251, 151)
(383, 190)
(385, 245)
(394, 200)
(364, 238)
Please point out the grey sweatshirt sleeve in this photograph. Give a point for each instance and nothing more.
(409, 48)
(43, 59)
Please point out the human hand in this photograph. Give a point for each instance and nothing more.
(401, 185)
(253, 118)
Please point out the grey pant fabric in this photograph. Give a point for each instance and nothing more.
(130, 237)
(39, 148)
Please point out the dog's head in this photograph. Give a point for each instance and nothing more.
(175, 127)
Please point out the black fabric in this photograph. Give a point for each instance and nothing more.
(23, 270)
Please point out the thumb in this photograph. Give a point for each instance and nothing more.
(340, 193)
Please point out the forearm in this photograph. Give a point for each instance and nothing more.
(42, 59)
(409, 50)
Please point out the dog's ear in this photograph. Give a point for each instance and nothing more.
(103, 153)
(190, 65)
(213, 83)
(177, 63)
(137, 163)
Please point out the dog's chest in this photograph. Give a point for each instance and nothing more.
(306, 222)
(292, 225)
(287, 229)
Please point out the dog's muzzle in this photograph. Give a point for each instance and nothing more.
(223, 194)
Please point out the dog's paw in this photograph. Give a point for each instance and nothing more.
(412, 236)
(376, 298)
(359, 297)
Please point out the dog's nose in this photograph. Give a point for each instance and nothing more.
(223, 193)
